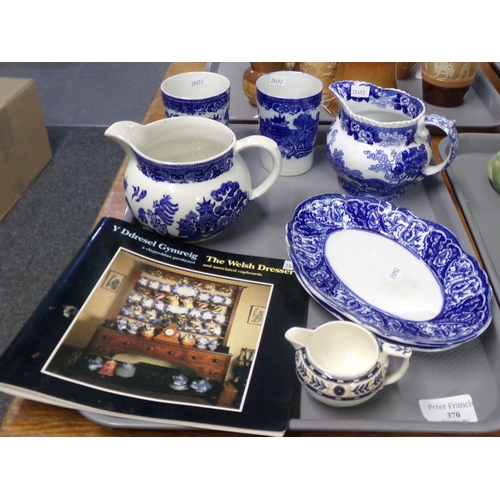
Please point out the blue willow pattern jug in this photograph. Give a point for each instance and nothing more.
(185, 177)
(379, 143)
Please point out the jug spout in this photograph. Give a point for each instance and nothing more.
(335, 88)
(125, 133)
(297, 336)
(340, 89)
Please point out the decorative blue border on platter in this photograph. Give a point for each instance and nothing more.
(466, 311)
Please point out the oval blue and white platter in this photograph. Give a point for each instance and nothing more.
(406, 279)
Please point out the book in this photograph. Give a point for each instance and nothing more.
(156, 330)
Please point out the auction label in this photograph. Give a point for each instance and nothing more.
(454, 409)
(360, 91)
(395, 275)
(196, 81)
(288, 265)
(278, 80)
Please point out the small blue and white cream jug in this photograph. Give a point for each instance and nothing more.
(379, 143)
(185, 177)
(341, 363)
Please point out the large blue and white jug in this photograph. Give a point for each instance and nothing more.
(379, 143)
(185, 177)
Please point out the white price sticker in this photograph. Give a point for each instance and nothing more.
(196, 81)
(395, 275)
(453, 409)
(360, 91)
(288, 265)
(278, 80)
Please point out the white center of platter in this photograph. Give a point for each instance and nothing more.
(384, 274)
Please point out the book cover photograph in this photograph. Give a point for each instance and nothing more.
(146, 328)
(161, 332)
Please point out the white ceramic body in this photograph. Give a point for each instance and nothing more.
(204, 184)
(197, 93)
(342, 364)
(288, 106)
(379, 144)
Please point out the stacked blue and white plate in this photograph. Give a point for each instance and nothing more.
(406, 279)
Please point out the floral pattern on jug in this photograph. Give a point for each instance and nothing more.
(379, 143)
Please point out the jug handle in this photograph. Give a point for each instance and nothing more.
(258, 141)
(450, 129)
(399, 352)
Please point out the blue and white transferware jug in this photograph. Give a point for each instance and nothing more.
(185, 177)
(379, 143)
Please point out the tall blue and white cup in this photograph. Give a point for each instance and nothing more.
(197, 93)
(288, 104)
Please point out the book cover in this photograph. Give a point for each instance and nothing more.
(151, 329)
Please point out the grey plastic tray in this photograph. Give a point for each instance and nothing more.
(480, 111)
(480, 203)
(473, 368)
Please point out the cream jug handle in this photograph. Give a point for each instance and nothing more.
(258, 141)
(399, 352)
(450, 129)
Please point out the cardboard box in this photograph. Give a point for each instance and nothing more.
(24, 143)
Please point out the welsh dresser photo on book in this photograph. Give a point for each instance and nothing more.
(173, 318)
(165, 332)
